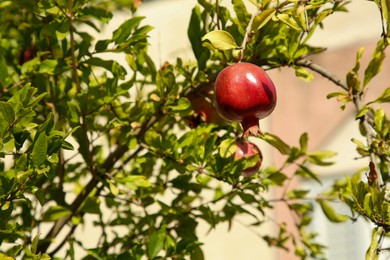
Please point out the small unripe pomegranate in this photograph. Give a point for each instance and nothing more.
(247, 149)
(244, 93)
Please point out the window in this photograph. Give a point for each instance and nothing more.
(344, 241)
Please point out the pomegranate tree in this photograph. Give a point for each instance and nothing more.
(248, 149)
(244, 93)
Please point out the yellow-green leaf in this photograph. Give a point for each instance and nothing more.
(285, 18)
(330, 213)
(375, 65)
(262, 19)
(276, 142)
(221, 40)
(227, 148)
(372, 252)
(383, 98)
(55, 212)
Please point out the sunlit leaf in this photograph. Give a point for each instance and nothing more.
(276, 142)
(353, 80)
(375, 65)
(221, 40)
(372, 253)
(307, 173)
(124, 31)
(262, 19)
(303, 74)
(320, 157)
(383, 98)
(285, 18)
(55, 212)
(330, 213)
(156, 243)
(227, 148)
(48, 66)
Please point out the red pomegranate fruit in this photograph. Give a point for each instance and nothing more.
(247, 149)
(244, 93)
(202, 105)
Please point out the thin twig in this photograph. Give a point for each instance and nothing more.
(248, 33)
(357, 100)
(218, 15)
(323, 72)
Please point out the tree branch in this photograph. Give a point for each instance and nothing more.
(323, 72)
(357, 101)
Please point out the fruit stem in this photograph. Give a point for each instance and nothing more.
(251, 126)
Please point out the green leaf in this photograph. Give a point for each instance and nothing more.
(277, 178)
(276, 142)
(375, 65)
(4, 257)
(35, 100)
(336, 94)
(56, 212)
(379, 119)
(372, 253)
(330, 213)
(34, 244)
(353, 81)
(319, 157)
(300, 17)
(3, 70)
(91, 205)
(242, 14)
(134, 182)
(39, 151)
(221, 40)
(182, 104)
(227, 148)
(195, 36)
(197, 254)
(7, 111)
(285, 18)
(306, 172)
(48, 66)
(113, 189)
(303, 140)
(40, 195)
(363, 111)
(262, 19)
(99, 13)
(153, 138)
(297, 194)
(303, 74)
(156, 243)
(385, 8)
(110, 65)
(102, 45)
(123, 32)
(383, 98)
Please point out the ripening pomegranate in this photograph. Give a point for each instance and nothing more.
(247, 149)
(202, 105)
(244, 93)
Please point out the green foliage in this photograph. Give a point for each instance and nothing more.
(83, 135)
